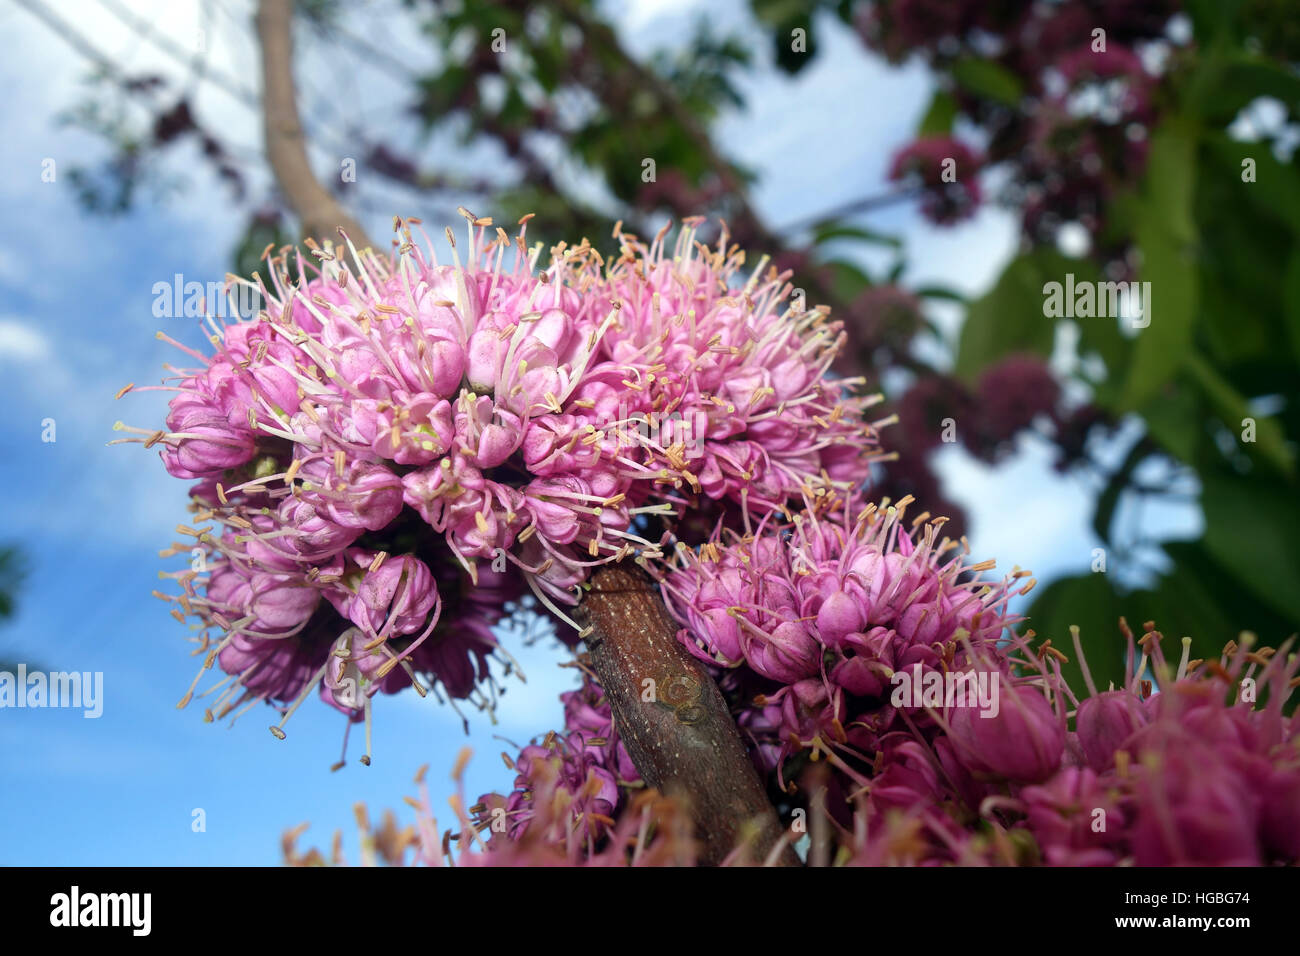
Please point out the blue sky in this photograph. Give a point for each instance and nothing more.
(76, 324)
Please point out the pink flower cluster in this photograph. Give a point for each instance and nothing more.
(1189, 765)
(1201, 773)
(811, 624)
(561, 828)
(815, 614)
(386, 430)
(587, 763)
(1196, 765)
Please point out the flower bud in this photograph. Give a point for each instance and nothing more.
(1104, 722)
(1023, 741)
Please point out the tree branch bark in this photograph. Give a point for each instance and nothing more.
(286, 145)
(683, 740)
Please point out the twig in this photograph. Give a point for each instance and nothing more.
(865, 204)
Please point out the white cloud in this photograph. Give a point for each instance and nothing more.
(1022, 512)
(20, 342)
(641, 13)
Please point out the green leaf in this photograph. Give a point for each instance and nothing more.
(1166, 235)
(787, 57)
(1242, 80)
(834, 230)
(939, 116)
(987, 79)
(1011, 317)
(781, 18)
(1247, 234)
(1211, 19)
(1240, 320)
(1088, 602)
(1199, 599)
(1269, 446)
(1276, 189)
(773, 13)
(1175, 419)
(1250, 530)
(1168, 188)
(1115, 485)
(848, 281)
(1101, 336)
(940, 292)
(1291, 298)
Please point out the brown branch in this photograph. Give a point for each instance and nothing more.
(286, 145)
(673, 719)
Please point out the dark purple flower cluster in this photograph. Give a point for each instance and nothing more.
(1009, 397)
(881, 322)
(1086, 98)
(947, 170)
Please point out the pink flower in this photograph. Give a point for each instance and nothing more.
(840, 597)
(204, 442)
(361, 495)
(1196, 806)
(738, 372)
(396, 597)
(1075, 818)
(1024, 741)
(1105, 723)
